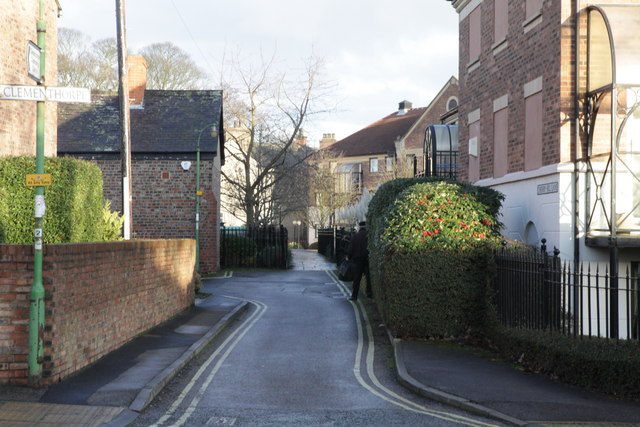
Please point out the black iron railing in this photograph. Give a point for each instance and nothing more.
(265, 247)
(535, 290)
(333, 243)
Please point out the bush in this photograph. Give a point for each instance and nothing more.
(314, 245)
(237, 250)
(599, 364)
(439, 216)
(436, 293)
(75, 209)
(428, 240)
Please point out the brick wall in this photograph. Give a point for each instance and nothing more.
(98, 297)
(18, 21)
(504, 71)
(164, 202)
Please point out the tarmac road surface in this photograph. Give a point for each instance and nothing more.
(301, 355)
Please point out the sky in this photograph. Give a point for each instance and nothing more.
(376, 53)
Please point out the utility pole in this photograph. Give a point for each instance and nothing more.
(125, 118)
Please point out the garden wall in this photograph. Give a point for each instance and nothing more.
(98, 297)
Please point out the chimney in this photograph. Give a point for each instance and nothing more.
(404, 107)
(301, 140)
(137, 70)
(327, 140)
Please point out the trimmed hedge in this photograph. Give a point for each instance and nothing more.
(436, 293)
(598, 364)
(428, 240)
(75, 208)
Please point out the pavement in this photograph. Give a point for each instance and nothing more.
(116, 388)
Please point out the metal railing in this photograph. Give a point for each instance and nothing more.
(535, 290)
(333, 243)
(265, 247)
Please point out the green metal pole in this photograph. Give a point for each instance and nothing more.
(36, 308)
(198, 194)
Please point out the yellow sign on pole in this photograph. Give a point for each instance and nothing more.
(38, 179)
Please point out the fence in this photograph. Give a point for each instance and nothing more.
(333, 243)
(535, 290)
(265, 247)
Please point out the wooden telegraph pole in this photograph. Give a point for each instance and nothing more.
(125, 119)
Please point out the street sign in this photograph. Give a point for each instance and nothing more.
(33, 61)
(42, 93)
(39, 179)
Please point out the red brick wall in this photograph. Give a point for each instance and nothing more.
(164, 202)
(98, 297)
(18, 22)
(526, 57)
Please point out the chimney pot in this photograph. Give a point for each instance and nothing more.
(137, 70)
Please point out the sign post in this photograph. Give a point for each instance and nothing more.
(39, 180)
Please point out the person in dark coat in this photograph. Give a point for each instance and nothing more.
(358, 254)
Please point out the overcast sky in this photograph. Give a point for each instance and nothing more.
(377, 52)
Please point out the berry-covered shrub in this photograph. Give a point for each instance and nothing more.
(431, 255)
(437, 215)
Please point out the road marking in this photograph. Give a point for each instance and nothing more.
(380, 390)
(229, 344)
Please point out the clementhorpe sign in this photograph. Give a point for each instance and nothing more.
(42, 93)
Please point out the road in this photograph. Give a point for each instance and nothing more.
(302, 354)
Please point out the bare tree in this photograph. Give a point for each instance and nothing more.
(265, 112)
(72, 46)
(83, 63)
(326, 198)
(171, 68)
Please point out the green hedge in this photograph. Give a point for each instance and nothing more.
(430, 243)
(436, 293)
(75, 208)
(599, 364)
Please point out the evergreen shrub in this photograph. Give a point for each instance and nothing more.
(430, 254)
(75, 208)
(598, 364)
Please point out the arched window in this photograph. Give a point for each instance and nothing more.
(452, 103)
(613, 124)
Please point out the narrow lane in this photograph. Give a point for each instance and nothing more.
(300, 356)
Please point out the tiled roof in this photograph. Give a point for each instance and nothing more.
(170, 122)
(379, 137)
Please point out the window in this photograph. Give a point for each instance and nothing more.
(500, 22)
(500, 137)
(389, 164)
(475, 36)
(452, 103)
(373, 165)
(474, 145)
(410, 159)
(533, 124)
(533, 14)
(533, 9)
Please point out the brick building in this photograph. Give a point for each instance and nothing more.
(166, 126)
(18, 21)
(531, 130)
(392, 146)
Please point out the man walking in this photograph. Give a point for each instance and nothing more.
(358, 254)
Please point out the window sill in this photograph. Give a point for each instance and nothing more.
(473, 65)
(499, 46)
(532, 22)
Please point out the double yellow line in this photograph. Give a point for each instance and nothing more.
(224, 350)
(375, 386)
